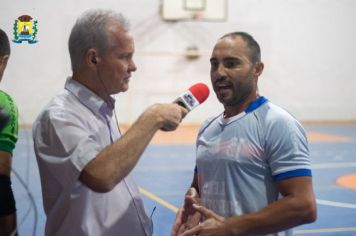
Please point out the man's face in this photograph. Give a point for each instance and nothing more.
(116, 64)
(232, 73)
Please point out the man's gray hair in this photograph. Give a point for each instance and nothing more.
(91, 31)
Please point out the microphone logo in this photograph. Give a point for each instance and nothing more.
(193, 97)
(190, 100)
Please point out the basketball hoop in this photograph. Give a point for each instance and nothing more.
(194, 10)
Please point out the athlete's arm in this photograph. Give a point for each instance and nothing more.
(5, 163)
(296, 207)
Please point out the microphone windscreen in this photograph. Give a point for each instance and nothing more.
(193, 97)
(200, 91)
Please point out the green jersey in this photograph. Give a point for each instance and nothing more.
(9, 134)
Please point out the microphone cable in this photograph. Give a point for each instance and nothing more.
(109, 101)
(118, 127)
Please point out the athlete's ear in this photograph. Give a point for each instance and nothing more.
(258, 68)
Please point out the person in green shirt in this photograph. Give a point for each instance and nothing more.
(8, 139)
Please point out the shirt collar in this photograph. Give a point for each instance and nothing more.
(256, 104)
(95, 103)
(251, 107)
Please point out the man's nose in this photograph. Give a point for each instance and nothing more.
(132, 66)
(219, 73)
(221, 70)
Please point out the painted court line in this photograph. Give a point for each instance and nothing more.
(331, 230)
(333, 165)
(154, 197)
(323, 137)
(175, 209)
(307, 231)
(187, 134)
(336, 204)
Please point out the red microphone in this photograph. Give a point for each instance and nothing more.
(193, 97)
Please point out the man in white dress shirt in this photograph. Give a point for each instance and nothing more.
(83, 160)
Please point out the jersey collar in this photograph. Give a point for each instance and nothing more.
(253, 106)
(256, 104)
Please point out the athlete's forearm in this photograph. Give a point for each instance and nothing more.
(295, 208)
(5, 163)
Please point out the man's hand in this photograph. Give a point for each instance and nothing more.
(187, 216)
(212, 226)
(168, 116)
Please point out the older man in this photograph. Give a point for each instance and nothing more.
(84, 161)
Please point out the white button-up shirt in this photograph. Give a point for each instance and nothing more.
(73, 128)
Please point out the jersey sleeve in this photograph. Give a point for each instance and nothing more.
(287, 149)
(9, 134)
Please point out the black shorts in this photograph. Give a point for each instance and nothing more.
(7, 202)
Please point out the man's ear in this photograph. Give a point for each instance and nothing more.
(258, 68)
(91, 57)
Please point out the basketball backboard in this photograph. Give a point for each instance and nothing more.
(195, 10)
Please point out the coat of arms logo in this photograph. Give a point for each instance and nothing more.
(25, 29)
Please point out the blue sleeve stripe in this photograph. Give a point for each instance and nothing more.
(195, 170)
(293, 173)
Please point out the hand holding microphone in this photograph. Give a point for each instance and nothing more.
(193, 97)
(169, 116)
(189, 100)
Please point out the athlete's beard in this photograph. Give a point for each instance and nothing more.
(241, 91)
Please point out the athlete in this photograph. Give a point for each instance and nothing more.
(8, 139)
(253, 173)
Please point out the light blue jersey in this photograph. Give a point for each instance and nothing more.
(239, 159)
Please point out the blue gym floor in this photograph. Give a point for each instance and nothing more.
(165, 171)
